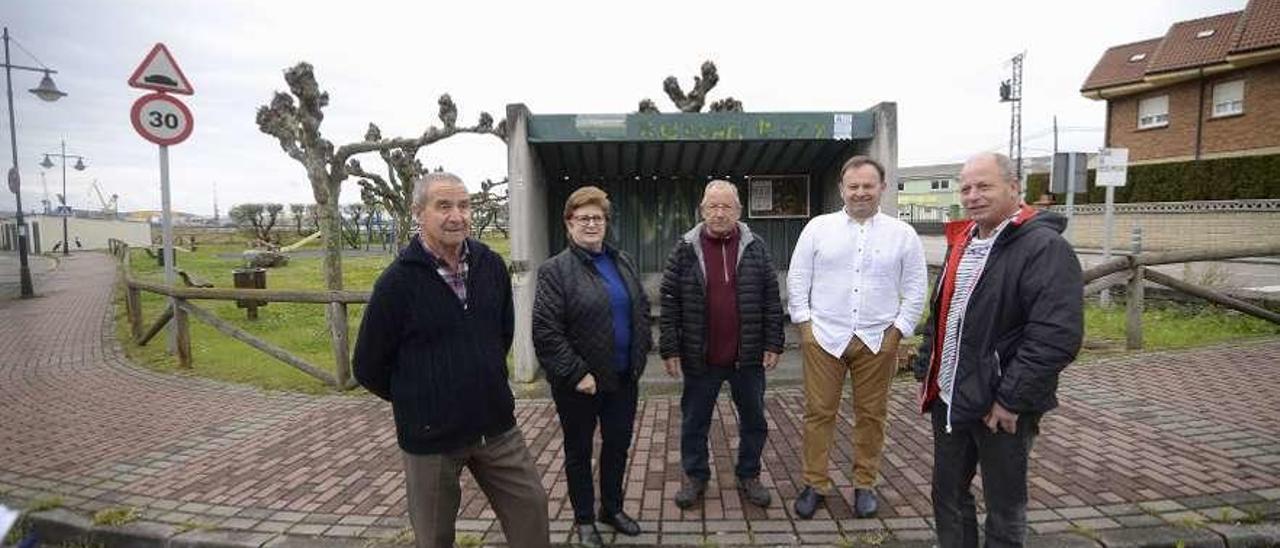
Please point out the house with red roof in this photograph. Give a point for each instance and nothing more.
(1209, 88)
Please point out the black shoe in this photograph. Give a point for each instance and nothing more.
(807, 503)
(755, 492)
(588, 536)
(865, 504)
(621, 522)
(690, 492)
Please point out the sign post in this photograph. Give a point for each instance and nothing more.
(1113, 171)
(1070, 174)
(163, 120)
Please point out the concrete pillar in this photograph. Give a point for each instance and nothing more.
(529, 234)
(884, 149)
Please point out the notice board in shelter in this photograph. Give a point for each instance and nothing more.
(777, 196)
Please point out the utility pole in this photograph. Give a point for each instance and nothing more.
(1011, 92)
(1055, 134)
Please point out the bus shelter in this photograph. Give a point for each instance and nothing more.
(654, 168)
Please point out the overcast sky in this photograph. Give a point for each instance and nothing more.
(387, 62)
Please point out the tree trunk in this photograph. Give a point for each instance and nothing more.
(336, 313)
(404, 225)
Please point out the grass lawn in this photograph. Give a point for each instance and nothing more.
(301, 328)
(1171, 326)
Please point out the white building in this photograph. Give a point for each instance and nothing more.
(45, 231)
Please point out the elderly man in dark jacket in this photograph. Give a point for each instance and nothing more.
(721, 321)
(1007, 318)
(434, 343)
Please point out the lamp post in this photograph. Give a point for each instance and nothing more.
(65, 209)
(48, 92)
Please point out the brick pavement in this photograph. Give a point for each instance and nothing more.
(199, 458)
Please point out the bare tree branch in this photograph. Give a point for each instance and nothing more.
(431, 135)
(697, 97)
(448, 111)
(280, 120)
(311, 102)
(375, 184)
(728, 104)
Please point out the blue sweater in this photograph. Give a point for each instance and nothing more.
(620, 305)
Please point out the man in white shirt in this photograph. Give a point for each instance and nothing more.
(856, 287)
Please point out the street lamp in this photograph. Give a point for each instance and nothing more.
(65, 210)
(47, 91)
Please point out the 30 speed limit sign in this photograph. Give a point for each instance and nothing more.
(161, 119)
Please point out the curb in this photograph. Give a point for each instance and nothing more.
(63, 526)
(60, 526)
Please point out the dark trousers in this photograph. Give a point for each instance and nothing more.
(505, 472)
(615, 413)
(696, 405)
(1003, 457)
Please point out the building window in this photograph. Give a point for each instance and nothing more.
(940, 184)
(1153, 112)
(901, 186)
(1137, 57)
(1228, 98)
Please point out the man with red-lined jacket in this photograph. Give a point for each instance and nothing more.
(1007, 317)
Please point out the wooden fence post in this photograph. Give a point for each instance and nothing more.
(341, 352)
(133, 305)
(183, 328)
(1134, 296)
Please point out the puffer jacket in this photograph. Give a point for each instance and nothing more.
(1023, 325)
(573, 320)
(683, 322)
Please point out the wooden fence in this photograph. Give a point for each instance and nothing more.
(180, 308)
(1129, 270)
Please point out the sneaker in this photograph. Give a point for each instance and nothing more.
(754, 491)
(690, 492)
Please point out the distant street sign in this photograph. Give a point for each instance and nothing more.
(1070, 173)
(1113, 166)
(161, 119)
(160, 72)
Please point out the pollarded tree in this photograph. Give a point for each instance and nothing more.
(297, 210)
(352, 221)
(294, 119)
(697, 97)
(257, 219)
(489, 208)
(393, 194)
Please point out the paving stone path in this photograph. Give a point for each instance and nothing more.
(1166, 445)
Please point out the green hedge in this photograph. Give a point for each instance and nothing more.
(1250, 177)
